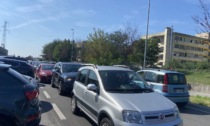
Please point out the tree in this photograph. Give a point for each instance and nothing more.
(62, 51)
(203, 21)
(48, 50)
(97, 49)
(137, 54)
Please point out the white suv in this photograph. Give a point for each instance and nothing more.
(115, 96)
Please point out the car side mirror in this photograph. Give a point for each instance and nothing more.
(92, 87)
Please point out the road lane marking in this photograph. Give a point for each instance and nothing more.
(198, 109)
(42, 87)
(46, 94)
(59, 113)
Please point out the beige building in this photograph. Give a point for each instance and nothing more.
(182, 47)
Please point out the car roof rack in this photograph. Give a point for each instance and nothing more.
(90, 64)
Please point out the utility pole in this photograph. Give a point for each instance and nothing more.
(4, 35)
(72, 44)
(145, 49)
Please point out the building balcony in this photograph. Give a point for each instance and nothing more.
(188, 59)
(204, 53)
(203, 46)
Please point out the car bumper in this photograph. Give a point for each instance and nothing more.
(177, 122)
(67, 86)
(46, 78)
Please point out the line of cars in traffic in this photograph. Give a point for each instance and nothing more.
(112, 95)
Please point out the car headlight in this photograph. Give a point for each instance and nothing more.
(176, 113)
(68, 79)
(43, 73)
(131, 116)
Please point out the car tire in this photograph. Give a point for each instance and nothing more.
(106, 122)
(74, 107)
(60, 89)
(182, 104)
(5, 121)
(52, 83)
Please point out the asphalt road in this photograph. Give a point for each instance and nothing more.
(56, 111)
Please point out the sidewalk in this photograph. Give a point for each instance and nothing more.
(193, 93)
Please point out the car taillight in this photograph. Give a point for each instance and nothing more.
(165, 86)
(30, 95)
(165, 79)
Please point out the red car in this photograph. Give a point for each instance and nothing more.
(44, 72)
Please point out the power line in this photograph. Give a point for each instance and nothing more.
(4, 35)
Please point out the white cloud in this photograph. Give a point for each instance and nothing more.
(32, 8)
(83, 24)
(83, 12)
(35, 21)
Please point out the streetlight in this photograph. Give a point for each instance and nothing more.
(145, 49)
(72, 44)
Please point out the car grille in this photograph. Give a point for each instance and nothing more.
(158, 117)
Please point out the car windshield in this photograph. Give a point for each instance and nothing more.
(47, 67)
(123, 81)
(70, 68)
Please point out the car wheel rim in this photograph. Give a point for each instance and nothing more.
(105, 124)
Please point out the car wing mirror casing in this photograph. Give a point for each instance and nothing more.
(92, 87)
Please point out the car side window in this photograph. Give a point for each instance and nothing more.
(92, 78)
(160, 79)
(82, 76)
(142, 74)
(14, 64)
(151, 77)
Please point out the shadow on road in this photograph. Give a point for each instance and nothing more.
(195, 109)
(46, 106)
(81, 114)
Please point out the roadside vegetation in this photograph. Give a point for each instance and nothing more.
(200, 100)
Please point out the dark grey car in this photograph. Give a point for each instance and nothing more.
(63, 76)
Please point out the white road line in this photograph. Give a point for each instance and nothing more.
(57, 110)
(198, 109)
(42, 87)
(46, 94)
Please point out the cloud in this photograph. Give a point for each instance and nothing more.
(131, 15)
(83, 24)
(32, 8)
(86, 13)
(35, 21)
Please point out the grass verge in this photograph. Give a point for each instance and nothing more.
(200, 100)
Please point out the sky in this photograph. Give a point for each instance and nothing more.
(34, 23)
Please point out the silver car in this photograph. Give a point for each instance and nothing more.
(115, 96)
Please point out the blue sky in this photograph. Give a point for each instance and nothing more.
(33, 23)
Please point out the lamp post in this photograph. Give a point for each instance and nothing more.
(145, 49)
(72, 44)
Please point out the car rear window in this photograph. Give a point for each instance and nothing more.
(11, 77)
(176, 78)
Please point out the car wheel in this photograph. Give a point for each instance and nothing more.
(60, 88)
(52, 83)
(182, 104)
(5, 122)
(106, 122)
(74, 107)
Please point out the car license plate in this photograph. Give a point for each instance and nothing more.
(179, 90)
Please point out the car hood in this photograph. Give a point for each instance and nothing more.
(70, 74)
(143, 102)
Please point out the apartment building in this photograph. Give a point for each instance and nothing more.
(182, 47)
